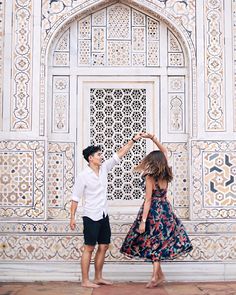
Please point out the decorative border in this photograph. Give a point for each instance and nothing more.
(234, 60)
(54, 248)
(21, 100)
(37, 210)
(2, 25)
(214, 65)
(198, 210)
(68, 153)
(175, 150)
(120, 224)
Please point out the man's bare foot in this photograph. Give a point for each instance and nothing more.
(89, 284)
(102, 282)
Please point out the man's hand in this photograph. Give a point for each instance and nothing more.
(72, 223)
(125, 149)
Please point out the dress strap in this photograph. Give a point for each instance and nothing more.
(163, 189)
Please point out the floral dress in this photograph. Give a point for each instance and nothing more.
(164, 238)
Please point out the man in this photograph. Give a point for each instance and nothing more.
(91, 185)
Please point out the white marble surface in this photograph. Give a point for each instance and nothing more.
(175, 272)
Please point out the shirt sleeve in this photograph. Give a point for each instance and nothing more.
(110, 163)
(78, 189)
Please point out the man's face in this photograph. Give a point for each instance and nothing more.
(96, 158)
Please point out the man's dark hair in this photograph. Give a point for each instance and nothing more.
(91, 150)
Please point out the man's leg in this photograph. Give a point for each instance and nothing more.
(99, 261)
(91, 230)
(104, 239)
(85, 264)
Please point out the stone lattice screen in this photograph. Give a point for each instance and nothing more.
(116, 115)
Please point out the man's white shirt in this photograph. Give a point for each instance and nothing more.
(93, 189)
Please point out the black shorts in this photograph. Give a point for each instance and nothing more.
(96, 231)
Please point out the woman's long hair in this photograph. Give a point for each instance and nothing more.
(155, 164)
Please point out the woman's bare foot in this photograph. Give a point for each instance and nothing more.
(149, 284)
(160, 281)
(155, 282)
(102, 282)
(89, 284)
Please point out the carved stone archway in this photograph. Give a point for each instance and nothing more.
(156, 10)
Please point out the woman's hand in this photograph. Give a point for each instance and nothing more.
(142, 227)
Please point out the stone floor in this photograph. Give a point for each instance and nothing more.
(72, 288)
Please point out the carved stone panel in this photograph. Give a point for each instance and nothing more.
(61, 104)
(22, 175)
(21, 100)
(61, 169)
(214, 65)
(118, 36)
(61, 55)
(176, 101)
(214, 189)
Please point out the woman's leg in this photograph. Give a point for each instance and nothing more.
(157, 275)
(161, 274)
(155, 272)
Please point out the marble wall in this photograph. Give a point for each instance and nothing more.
(82, 71)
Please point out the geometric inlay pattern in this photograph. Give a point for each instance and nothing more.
(61, 55)
(60, 179)
(118, 22)
(178, 190)
(214, 65)
(117, 114)
(176, 95)
(16, 177)
(116, 36)
(21, 101)
(219, 179)
(214, 189)
(175, 51)
(2, 12)
(22, 178)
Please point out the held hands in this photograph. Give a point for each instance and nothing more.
(147, 135)
(137, 136)
(143, 135)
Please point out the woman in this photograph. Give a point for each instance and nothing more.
(156, 234)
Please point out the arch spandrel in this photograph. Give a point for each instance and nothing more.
(162, 10)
